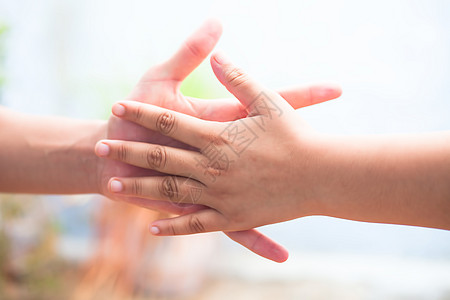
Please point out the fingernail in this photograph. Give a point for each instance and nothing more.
(102, 149)
(116, 186)
(154, 230)
(118, 110)
(221, 58)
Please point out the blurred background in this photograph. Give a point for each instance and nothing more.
(77, 57)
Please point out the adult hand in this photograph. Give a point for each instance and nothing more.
(160, 87)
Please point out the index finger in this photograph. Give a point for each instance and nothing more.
(184, 128)
(257, 99)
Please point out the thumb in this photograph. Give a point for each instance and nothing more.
(190, 54)
(257, 99)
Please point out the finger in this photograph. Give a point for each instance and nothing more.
(163, 159)
(184, 128)
(250, 239)
(205, 220)
(193, 51)
(307, 95)
(260, 244)
(172, 189)
(163, 206)
(254, 97)
(223, 110)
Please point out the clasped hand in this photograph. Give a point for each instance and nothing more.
(145, 140)
(232, 168)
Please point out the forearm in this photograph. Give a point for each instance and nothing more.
(49, 155)
(397, 179)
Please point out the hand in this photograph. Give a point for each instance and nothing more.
(249, 172)
(160, 87)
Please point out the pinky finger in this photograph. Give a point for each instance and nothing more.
(205, 220)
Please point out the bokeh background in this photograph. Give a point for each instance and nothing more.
(77, 57)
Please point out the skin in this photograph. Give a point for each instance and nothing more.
(277, 168)
(53, 155)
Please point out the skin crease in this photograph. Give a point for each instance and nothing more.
(288, 171)
(39, 151)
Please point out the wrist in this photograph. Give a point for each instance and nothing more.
(98, 132)
(346, 174)
(318, 166)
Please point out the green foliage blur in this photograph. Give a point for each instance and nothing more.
(3, 32)
(32, 270)
(202, 83)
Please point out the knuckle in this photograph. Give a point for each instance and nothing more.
(172, 229)
(237, 218)
(136, 187)
(236, 77)
(139, 114)
(215, 170)
(194, 49)
(216, 139)
(122, 152)
(169, 188)
(195, 225)
(256, 242)
(165, 122)
(156, 157)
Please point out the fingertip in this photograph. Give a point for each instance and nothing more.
(336, 90)
(214, 25)
(273, 251)
(282, 255)
(220, 58)
(118, 110)
(102, 149)
(339, 91)
(154, 230)
(115, 185)
(329, 91)
(215, 66)
(219, 64)
(276, 252)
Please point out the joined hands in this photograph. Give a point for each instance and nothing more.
(159, 87)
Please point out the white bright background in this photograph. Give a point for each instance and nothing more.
(391, 57)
